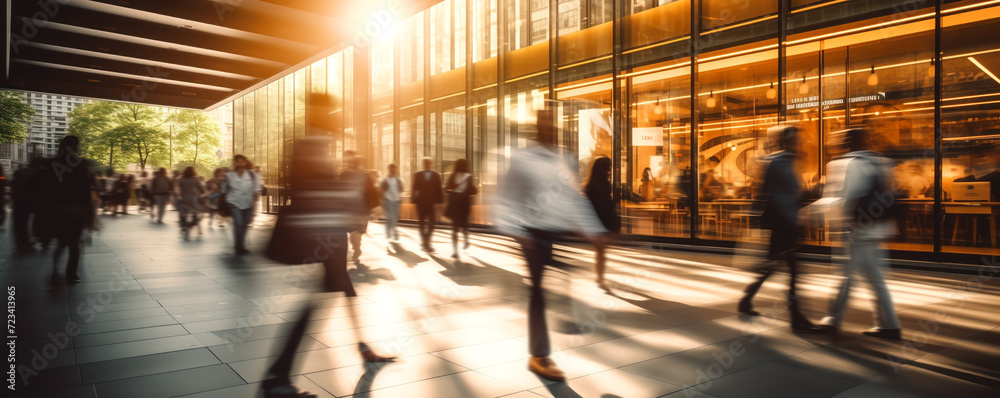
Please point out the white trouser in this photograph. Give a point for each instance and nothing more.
(866, 258)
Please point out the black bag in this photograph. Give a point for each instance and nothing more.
(222, 206)
(306, 230)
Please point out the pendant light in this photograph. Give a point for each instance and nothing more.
(804, 87)
(658, 109)
(711, 99)
(771, 92)
(873, 78)
(932, 69)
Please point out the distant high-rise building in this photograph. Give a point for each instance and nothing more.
(47, 128)
(224, 115)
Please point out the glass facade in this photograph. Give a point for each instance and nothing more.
(679, 94)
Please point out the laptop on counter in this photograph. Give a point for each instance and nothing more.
(971, 191)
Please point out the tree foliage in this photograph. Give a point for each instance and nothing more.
(15, 114)
(118, 134)
(197, 136)
(95, 124)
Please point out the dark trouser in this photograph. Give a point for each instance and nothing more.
(426, 218)
(538, 254)
(282, 368)
(69, 237)
(21, 216)
(241, 219)
(335, 279)
(161, 205)
(189, 217)
(783, 248)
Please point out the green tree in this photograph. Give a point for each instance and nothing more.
(92, 122)
(141, 127)
(15, 114)
(116, 134)
(196, 139)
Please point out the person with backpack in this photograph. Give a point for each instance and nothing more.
(782, 196)
(240, 187)
(861, 182)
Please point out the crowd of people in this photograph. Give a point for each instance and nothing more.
(539, 204)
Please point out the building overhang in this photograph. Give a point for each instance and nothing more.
(182, 53)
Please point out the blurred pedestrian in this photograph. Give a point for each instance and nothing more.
(25, 202)
(142, 191)
(598, 190)
(175, 194)
(162, 188)
(371, 196)
(538, 203)
(861, 182)
(121, 193)
(459, 190)
(213, 191)
(392, 197)
(3, 197)
(426, 194)
(781, 193)
(192, 192)
(106, 185)
(341, 203)
(240, 187)
(69, 182)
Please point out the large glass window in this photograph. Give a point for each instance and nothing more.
(440, 38)
(459, 12)
(718, 13)
(656, 197)
(484, 29)
(736, 109)
(846, 63)
(528, 22)
(411, 50)
(970, 127)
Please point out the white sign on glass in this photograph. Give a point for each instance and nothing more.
(647, 136)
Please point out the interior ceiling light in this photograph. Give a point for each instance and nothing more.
(658, 109)
(804, 87)
(186, 26)
(931, 71)
(711, 99)
(990, 74)
(873, 78)
(771, 92)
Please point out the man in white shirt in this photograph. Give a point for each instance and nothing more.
(538, 202)
(241, 186)
(392, 191)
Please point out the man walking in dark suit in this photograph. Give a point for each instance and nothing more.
(426, 192)
(782, 194)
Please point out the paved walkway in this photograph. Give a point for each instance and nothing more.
(157, 316)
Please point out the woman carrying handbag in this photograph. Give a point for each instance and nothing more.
(459, 189)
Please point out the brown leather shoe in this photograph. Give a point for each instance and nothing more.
(370, 356)
(545, 368)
